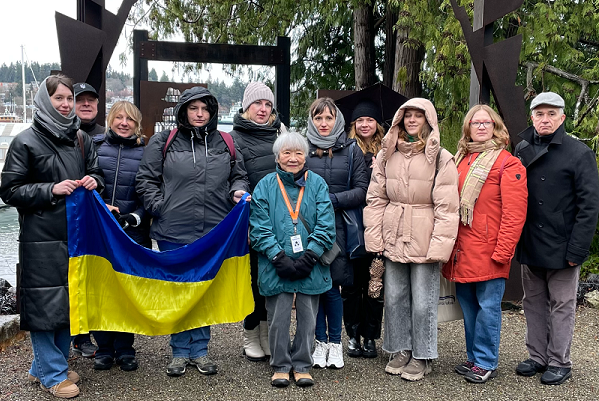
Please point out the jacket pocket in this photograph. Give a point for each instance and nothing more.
(480, 226)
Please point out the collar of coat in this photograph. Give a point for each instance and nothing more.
(529, 133)
(289, 179)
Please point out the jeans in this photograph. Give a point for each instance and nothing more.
(192, 343)
(50, 356)
(330, 310)
(481, 305)
(411, 300)
(286, 356)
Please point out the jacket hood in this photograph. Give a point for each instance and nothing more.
(389, 145)
(250, 127)
(188, 96)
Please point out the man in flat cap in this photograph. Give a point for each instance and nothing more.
(563, 205)
(86, 107)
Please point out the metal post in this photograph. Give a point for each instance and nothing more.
(23, 75)
(140, 65)
(283, 80)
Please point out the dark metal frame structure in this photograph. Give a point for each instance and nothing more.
(278, 56)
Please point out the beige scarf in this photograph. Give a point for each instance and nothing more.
(477, 174)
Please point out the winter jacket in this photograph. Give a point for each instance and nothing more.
(92, 129)
(255, 142)
(405, 217)
(36, 160)
(563, 201)
(484, 251)
(119, 159)
(335, 172)
(271, 228)
(190, 190)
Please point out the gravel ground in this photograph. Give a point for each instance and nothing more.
(361, 379)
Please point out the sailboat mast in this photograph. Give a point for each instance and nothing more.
(23, 73)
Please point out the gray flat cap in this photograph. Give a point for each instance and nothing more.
(549, 99)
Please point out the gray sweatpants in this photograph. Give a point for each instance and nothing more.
(285, 356)
(550, 306)
(411, 301)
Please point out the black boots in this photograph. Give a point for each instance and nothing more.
(367, 350)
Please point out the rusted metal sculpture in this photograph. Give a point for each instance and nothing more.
(86, 44)
(496, 64)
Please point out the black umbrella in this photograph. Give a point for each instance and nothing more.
(382, 96)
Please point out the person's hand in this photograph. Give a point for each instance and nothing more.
(284, 266)
(111, 208)
(126, 220)
(305, 263)
(88, 183)
(65, 187)
(572, 264)
(238, 194)
(373, 160)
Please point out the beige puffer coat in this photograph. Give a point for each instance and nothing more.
(405, 218)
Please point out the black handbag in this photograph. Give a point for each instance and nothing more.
(353, 220)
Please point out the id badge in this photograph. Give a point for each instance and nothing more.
(296, 243)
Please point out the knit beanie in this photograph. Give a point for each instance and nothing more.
(256, 91)
(367, 108)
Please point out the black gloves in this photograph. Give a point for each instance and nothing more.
(125, 220)
(284, 266)
(305, 263)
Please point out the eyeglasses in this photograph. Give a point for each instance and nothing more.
(485, 124)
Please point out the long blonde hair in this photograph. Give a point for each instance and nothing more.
(132, 112)
(375, 143)
(499, 129)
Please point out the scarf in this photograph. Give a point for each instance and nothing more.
(49, 118)
(326, 142)
(477, 175)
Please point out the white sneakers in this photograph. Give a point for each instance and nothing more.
(335, 359)
(327, 355)
(320, 354)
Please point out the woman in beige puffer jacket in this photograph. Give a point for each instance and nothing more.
(411, 218)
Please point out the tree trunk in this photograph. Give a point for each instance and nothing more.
(390, 42)
(364, 68)
(409, 55)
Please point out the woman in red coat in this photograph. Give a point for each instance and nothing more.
(493, 200)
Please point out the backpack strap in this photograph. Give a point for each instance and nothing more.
(230, 144)
(168, 142)
(502, 168)
(437, 162)
(81, 146)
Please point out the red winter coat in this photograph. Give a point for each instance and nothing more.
(484, 251)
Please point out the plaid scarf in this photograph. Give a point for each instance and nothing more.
(477, 175)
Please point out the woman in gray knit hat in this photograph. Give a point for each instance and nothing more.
(255, 129)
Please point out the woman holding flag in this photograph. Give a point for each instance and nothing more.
(44, 164)
(189, 179)
(292, 224)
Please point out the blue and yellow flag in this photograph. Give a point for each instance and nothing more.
(117, 285)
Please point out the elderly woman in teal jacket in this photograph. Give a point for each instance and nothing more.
(292, 224)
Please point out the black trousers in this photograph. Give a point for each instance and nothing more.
(362, 315)
(114, 344)
(259, 314)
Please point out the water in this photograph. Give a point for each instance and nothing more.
(9, 247)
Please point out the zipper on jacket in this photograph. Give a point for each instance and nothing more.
(454, 264)
(116, 173)
(193, 151)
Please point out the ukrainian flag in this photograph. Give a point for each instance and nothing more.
(117, 285)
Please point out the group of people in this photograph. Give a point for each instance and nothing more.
(426, 213)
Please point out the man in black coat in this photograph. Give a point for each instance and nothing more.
(86, 107)
(563, 205)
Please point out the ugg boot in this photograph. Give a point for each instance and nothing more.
(264, 337)
(251, 345)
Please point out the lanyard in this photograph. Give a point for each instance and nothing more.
(293, 214)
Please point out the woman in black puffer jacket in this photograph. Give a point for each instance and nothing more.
(329, 157)
(120, 151)
(255, 129)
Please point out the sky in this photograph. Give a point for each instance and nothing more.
(32, 23)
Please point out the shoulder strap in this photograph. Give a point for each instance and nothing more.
(437, 162)
(502, 167)
(351, 164)
(230, 144)
(168, 142)
(304, 222)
